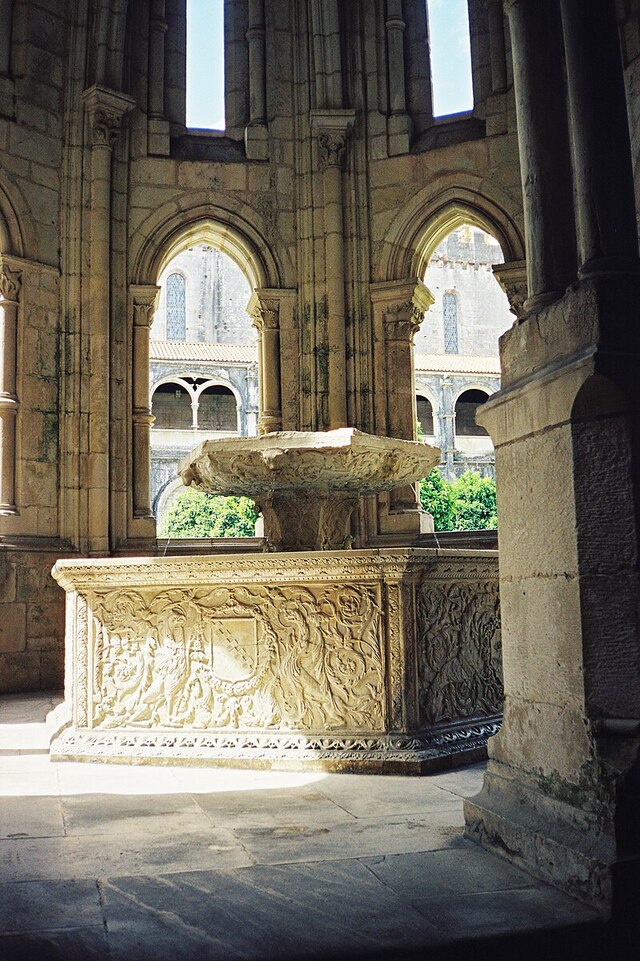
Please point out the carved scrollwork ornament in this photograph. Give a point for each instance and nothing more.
(10, 283)
(104, 128)
(333, 148)
(143, 314)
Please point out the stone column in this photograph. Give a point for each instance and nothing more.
(157, 30)
(144, 302)
(256, 135)
(448, 426)
(333, 129)
(10, 283)
(264, 308)
(543, 143)
(398, 125)
(562, 793)
(399, 308)
(105, 110)
(158, 126)
(603, 175)
(6, 17)
(495, 17)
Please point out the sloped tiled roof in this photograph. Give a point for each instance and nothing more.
(457, 364)
(214, 353)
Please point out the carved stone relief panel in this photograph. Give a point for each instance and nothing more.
(238, 657)
(459, 650)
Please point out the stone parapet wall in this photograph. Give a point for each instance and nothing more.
(31, 623)
(361, 660)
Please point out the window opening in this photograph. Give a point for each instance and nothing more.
(176, 308)
(425, 416)
(450, 322)
(450, 54)
(466, 408)
(217, 409)
(205, 64)
(171, 407)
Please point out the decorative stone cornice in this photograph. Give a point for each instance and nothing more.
(512, 277)
(105, 110)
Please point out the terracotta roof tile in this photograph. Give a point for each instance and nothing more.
(457, 364)
(213, 353)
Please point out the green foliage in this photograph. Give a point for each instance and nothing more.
(474, 503)
(436, 497)
(195, 514)
(467, 504)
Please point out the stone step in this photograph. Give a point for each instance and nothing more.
(28, 721)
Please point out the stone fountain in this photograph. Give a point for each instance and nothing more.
(307, 484)
(313, 654)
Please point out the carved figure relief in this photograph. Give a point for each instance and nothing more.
(293, 658)
(459, 651)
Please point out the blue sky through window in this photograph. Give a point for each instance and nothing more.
(450, 56)
(450, 60)
(205, 64)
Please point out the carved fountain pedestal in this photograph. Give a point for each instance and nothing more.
(364, 660)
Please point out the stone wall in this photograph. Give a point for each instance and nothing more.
(327, 193)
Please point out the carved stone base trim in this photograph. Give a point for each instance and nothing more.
(391, 754)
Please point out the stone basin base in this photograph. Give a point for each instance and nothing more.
(380, 661)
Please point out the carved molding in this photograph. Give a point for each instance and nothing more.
(145, 300)
(459, 651)
(10, 283)
(512, 277)
(237, 657)
(105, 111)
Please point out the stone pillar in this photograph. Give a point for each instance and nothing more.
(448, 427)
(6, 18)
(252, 400)
(333, 127)
(105, 110)
(10, 283)
(562, 790)
(264, 308)
(603, 175)
(398, 125)
(495, 18)
(256, 134)
(399, 308)
(157, 30)
(144, 301)
(543, 143)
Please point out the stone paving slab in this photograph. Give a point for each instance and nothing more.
(119, 863)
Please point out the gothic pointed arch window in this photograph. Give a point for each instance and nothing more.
(176, 307)
(450, 322)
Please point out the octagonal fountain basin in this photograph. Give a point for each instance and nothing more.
(306, 484)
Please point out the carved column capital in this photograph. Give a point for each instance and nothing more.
(332, 128)
(10, 282)
(512, 277)
(403, 305)
(144, 298)
(333, 148)
(105, 110)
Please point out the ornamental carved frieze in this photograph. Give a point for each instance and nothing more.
(238, 657)
(459, 650)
